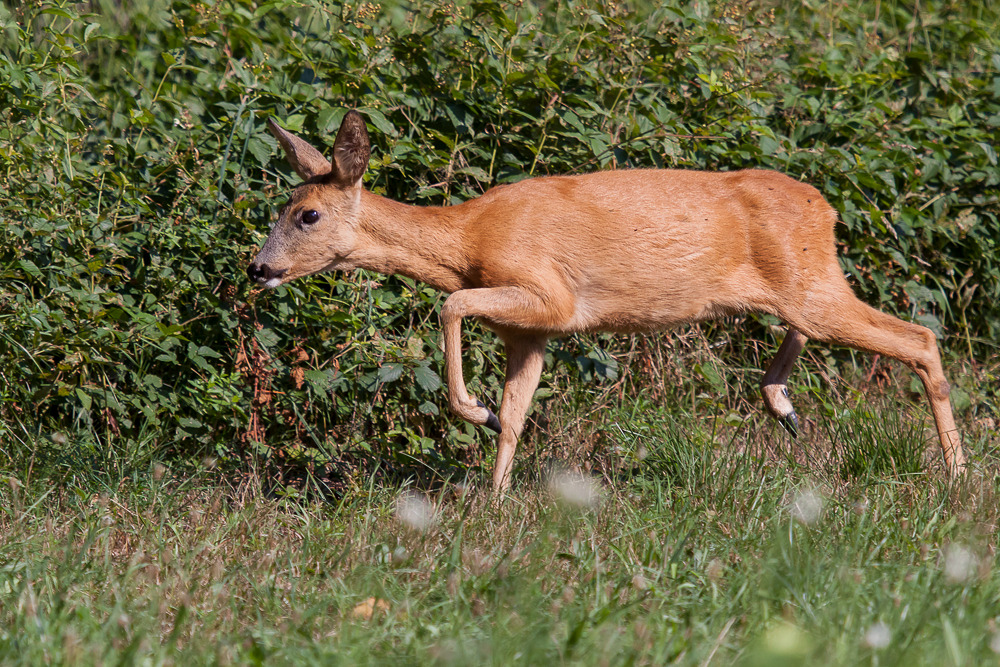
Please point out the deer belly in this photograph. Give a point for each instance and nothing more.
(631, 313)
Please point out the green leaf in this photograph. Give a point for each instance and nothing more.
(709, 372)
(380, 121)
(260, 150)
(960, 399)
(30, 268)
(427, 378)
(84, 397)
(932, 323)
(918, 294)
(267, 337)
(990, 152)
(389, 373)
(768, 145)
(294, 122)
(476, 172)
(58, 12)
(328, 119)
(320, 381)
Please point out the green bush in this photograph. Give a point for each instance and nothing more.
(139, 179)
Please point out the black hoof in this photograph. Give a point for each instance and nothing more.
(791, 423)
(492, 422)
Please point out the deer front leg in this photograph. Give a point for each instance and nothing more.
(525, 358)
(512, 310)
(459, 400)
(772, 386)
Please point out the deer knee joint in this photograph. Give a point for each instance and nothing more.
(930, 339)
(456, 305)
(460, 407)
(448, 310)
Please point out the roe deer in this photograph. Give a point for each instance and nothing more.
(620, 251)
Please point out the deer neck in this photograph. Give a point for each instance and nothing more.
(426, 243)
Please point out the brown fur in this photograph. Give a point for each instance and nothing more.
(623, 251)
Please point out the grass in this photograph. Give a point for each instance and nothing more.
(688, 544)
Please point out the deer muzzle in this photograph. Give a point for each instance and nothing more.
(265, 275)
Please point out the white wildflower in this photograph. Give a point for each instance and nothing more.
(960, 564)
(807, 507)
(575, 489)
(414, 511)
(877, 636)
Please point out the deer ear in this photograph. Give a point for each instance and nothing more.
(351, 149)
(305, 160)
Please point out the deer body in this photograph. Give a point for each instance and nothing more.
(618, 251)
(621, 251)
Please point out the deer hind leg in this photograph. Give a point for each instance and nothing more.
(507, 308)
(525, 357)
(772, 386)
(842, 318)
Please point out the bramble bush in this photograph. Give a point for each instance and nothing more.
(138, 179)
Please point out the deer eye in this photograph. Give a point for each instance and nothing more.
(310, 217)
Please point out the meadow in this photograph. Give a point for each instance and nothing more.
(196, 470)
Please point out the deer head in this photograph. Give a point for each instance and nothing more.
(316, 228)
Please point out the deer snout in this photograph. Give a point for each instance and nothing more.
(262, 273)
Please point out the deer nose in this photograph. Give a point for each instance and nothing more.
(262, 273)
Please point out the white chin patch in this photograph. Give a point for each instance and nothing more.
(272, 283)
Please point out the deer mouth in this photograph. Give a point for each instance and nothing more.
(265, 275)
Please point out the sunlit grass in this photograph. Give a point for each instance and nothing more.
(687, 556)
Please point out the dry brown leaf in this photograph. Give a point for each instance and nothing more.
(365, 610)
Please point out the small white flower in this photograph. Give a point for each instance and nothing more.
(995, 642)
(877, 636)
(960, 564)
(575, 489)
(807, 507)
(414, 511)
